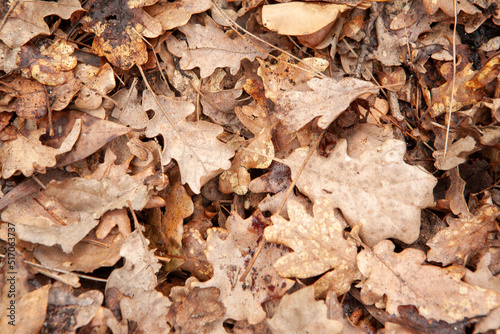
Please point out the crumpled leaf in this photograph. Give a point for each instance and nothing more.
(230, 257)
(237, 178)
(377, 189)
(147, 309)
(208, 48)
(173, 14)
(194, 310)
(28, 155)
(318, 244)
(27, 19)
(97, 82)
(436, 292)
(464, 238)
(130, 111)
(193, 145)
(119, 27)
(29, 98)
(448, 8)
(300, 313)
(329, 98)
(300, 18)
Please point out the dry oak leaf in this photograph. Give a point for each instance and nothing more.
(300, 18)
(27, 19)
(173, 14)
(119, 27)
(194, 145)
(139, 271)
(328, 98)
(230, 257)
(208, 48)
(97, 82)
(30, 100)
(237, 178)
(436, 292)
(464, 238)
(318, 244)
(72, 208)
(456, 153)
(28, 155)
(300, 313)
(129, 110)
(377, 188)
(448, 8)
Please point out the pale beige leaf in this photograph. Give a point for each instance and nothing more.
(138, 273)
(299, 18)
(230, 257)
(377, 189)
(28, 155)
(464, 237)
(317, 242)
(27, 19)
(148, 309)
(173, 14)
(209, 48)
(456, 153)
(329, 98)
(129, 110)
(300, 313)
(436, 292)
(97, 82)
(194, 145)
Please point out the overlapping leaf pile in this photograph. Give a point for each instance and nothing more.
(206, 166)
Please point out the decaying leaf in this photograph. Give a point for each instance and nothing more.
(193, 145)
(209, 48)
(377, 189)
(27, 19)
(119, 27)
(148, 309)
(464, 238)
(97, 82)
(173, 14)
(300, 313)
(318, 244)
(129, 110)
(29, 98)
(28, 155)
(230, 257)
(194, 310)
(329, 98)
(436, 292)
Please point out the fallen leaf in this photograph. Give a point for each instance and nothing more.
(194, 310)
(97, 82)
(448, 8)
(193, 145)
(119, 37)
(230, 256)
(30, 98)
(173, 14)
(455, 194)
(464, 238)
(299, 18)
(28, 155)
(301, 313)
(129, 110)
(209, 48)
(219, 106)
(318, 244)
(456, 153)
(436, 292)
(376, 189)
(27, 19)
(329, 98)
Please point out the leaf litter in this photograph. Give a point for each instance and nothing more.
(249, 167)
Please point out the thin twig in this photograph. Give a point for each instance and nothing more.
(11, 9)
(450, 110)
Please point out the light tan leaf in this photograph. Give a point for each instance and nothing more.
(318, 244)
(97, 82)
(230, 257)
(377, 189)
(299, 18)
(219, 106)
(130, 111)
(464, 237)
(194, 145)
(432, 6)
(237, 178)
(138, 273)
(209, 48)
(27, 19)
(456, 154)
(28, 155)
(173, 14)
(300, 313)
(148, 309)
(28, 98)
(436, 292)
(329, 98)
